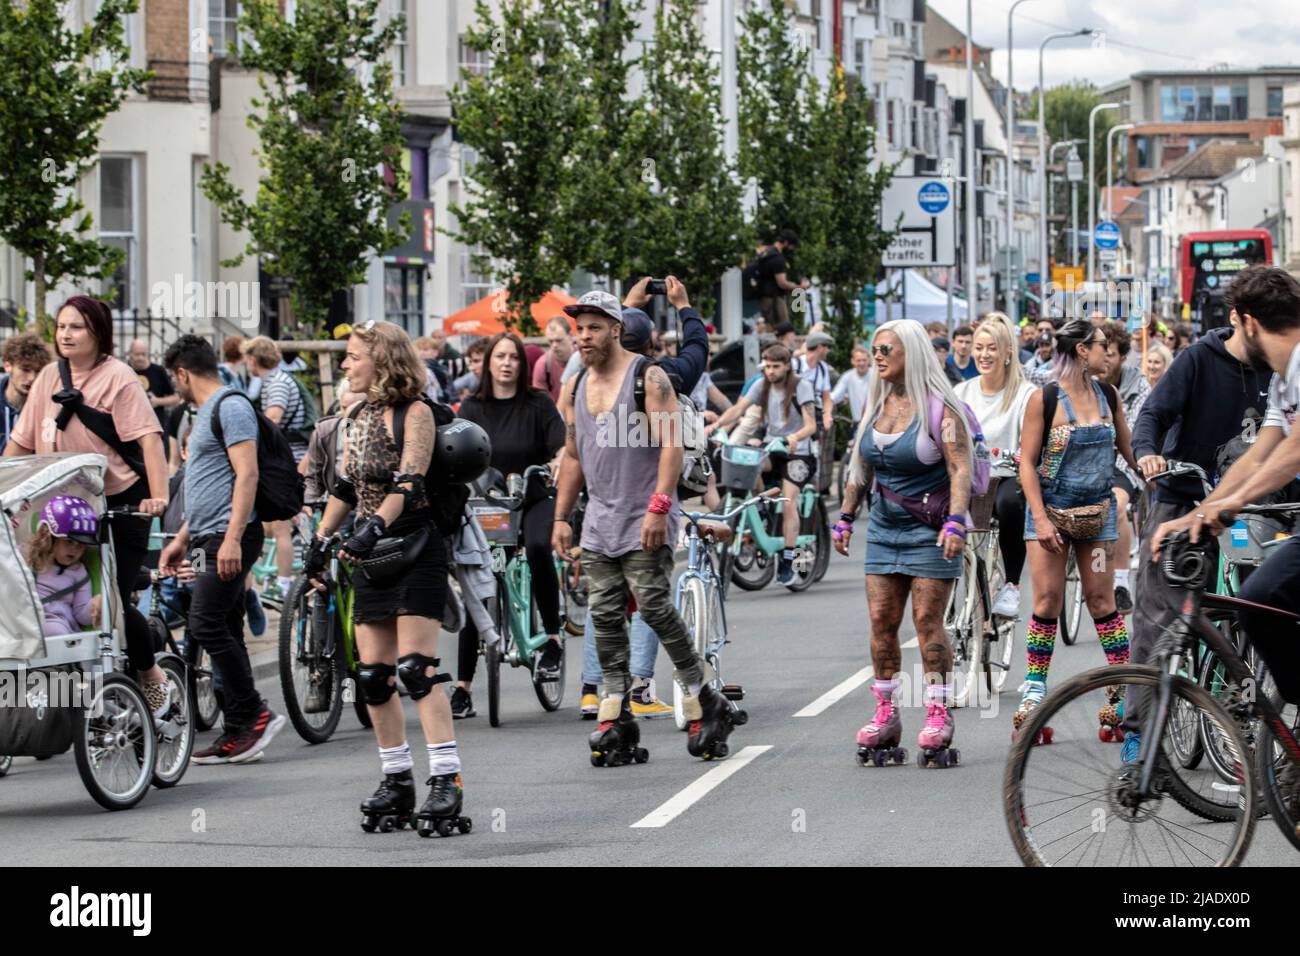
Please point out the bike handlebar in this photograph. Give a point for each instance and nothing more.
(695, 517)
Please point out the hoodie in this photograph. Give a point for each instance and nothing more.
(1203, 402)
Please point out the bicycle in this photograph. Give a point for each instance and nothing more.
(749, 559)
(265, 571)
(518, 623)
(982, 644)
(207, 702)
(1133, 793)
(701, 601)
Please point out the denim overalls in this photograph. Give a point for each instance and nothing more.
(1077, 466)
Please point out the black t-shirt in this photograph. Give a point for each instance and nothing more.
(524, 431)
(771, 265)
(155, 380)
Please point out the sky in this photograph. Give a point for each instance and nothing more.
(1138, 35)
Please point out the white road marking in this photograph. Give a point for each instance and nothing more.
(914, 642)
(666, 812)
(836, 693)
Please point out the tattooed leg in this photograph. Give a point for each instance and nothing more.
(929, 600)
(886, 599)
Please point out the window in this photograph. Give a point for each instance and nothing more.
(1275, 101)
(473, 61)
(1169, 109)
(860, 60)
(817, 20)
(473, 285)
(1187, 101)
(418, 168)
(223, 27)
(1204, 103)
(397, 8)
(899, 28)
(404, 297)
(117, 226)
(1222, 103)
(1240, 102)
(1142, 146)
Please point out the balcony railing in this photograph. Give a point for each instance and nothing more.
(179, 80)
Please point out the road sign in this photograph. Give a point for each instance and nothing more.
(1108, 255)
(1106, 235)
(922, 210)
(1074, 168)
(1067, 276)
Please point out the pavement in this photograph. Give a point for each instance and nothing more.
(791, 793)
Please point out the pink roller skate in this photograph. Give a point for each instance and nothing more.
(935, 739)
(878, 740)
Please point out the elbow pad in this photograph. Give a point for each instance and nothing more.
(345, 491)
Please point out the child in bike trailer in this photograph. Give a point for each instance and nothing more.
(68, 525)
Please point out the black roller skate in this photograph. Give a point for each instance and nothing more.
(441, 811)
(391, 806)
(616, 739)
(711, 718)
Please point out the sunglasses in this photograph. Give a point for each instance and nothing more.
(882, 350)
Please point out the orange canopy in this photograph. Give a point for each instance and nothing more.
(484, 316)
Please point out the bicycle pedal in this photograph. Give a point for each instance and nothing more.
(733, 692)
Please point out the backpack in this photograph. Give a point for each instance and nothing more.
(280, 488)
(751, 277)
(310, 414)
(1052, 393)
(696, 467)
(446, 500)
(981, 465)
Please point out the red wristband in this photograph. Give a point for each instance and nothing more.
(660, 504)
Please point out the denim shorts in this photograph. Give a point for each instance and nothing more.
(1109, 528)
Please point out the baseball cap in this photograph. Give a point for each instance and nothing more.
(940, 343)
(598, 303)
(637, 329)
(818, 338)
(783, 328)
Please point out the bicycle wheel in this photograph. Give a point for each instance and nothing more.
(1072, 803)
(963, 624)
(176, 728)
(550, 693)
(114, 744)
(1072, 603)
(207, 702)
(1279, 778)
(823, 561)
(999, 634)
(1186, 746)
(493, 654)
(752, 568)
(692, 605)
(312, 682)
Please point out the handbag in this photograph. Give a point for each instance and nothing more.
(392, 557)
(931, 509)
(1081, 523)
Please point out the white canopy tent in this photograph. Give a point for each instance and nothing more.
(925, 301)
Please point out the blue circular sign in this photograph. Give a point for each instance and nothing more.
(1107, 235)
(933, 198)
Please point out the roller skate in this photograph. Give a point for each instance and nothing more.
(1032, 693)
(441, 811)
(935, 739)
(1111, 715)
(390, 807)
(711, 718)
(616, 739)
(878, 740)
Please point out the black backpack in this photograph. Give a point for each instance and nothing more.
(751, 277)
(446, 500)
(280, 488)
(1052, 394)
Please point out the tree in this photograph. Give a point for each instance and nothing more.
(1066, 109)
(695, 228)
(57, 86)
(775, 145)
(330, 149)
(846, 242)
(522, 118)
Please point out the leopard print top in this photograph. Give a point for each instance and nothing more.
(373, 460)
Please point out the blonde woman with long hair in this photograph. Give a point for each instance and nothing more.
(998, 398)
(916, 530)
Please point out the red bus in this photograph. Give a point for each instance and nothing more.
(1209, 260)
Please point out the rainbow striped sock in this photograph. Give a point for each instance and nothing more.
(1039, 643)
(1113, 634)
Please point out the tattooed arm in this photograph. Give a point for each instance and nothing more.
(417, 452)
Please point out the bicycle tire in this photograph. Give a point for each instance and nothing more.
(757, 573)
(128, 714)
(175, 753)
(693, 606)
(1001, 647)
(1088, 684)
(966, 639)
(1071, 603)
(550, 693)
(297, 615)
(822, 562)
(1284, 808)
(492, 654)
(207, 702)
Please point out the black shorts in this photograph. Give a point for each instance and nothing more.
(797, 469)
(419, 592)
(1121, 480)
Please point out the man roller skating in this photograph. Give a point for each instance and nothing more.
(627, 450)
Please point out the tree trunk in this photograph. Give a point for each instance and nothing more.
(42, 320)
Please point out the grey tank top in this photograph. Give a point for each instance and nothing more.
(621, 467)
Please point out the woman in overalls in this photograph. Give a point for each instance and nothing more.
(1067, 480)
(916, 531)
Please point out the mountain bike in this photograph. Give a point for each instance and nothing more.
(1067, 817)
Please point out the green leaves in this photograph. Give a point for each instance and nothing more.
(330, 148)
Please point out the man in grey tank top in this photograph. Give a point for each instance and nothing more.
(630, 462)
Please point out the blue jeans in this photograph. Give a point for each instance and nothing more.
(645, 645)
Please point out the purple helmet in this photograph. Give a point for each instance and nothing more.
(68, 516)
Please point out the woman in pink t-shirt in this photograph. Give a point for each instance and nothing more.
(84, 337)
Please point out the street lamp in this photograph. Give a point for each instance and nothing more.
(1092, 183)
(1051, 161)
(1043, 272)
(1011, 150)
(971, 180)
(1281, 209)
(1110, 163)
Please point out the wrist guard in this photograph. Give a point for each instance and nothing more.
(365, 536)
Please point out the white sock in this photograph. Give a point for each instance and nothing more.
(1121, 577)
(284, 583)
(938, 693)
(396, 759)
(887, 687)
(443, 758)
(788, 554)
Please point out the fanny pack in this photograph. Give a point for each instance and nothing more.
(392, 557)
(930, 509)
(1081, 523)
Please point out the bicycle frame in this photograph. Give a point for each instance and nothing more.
(751, 521)
(699, 565)
(518, 613)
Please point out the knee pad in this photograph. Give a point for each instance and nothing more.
(411, 668)
(375, 683)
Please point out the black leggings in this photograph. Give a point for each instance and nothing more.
(537, 522)
(130, 545)
(1010, 508)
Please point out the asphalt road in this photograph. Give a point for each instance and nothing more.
(792, 793)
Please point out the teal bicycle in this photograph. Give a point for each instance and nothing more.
(750, 559)
(518, 623)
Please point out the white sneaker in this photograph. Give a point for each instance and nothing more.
(1007, 603)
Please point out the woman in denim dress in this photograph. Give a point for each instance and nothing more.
(1073, 470)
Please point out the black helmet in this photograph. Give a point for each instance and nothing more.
(463, 451)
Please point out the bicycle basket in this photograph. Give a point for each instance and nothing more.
(500, 524)
(1243, 542)
(981, 507)
(741, 467)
